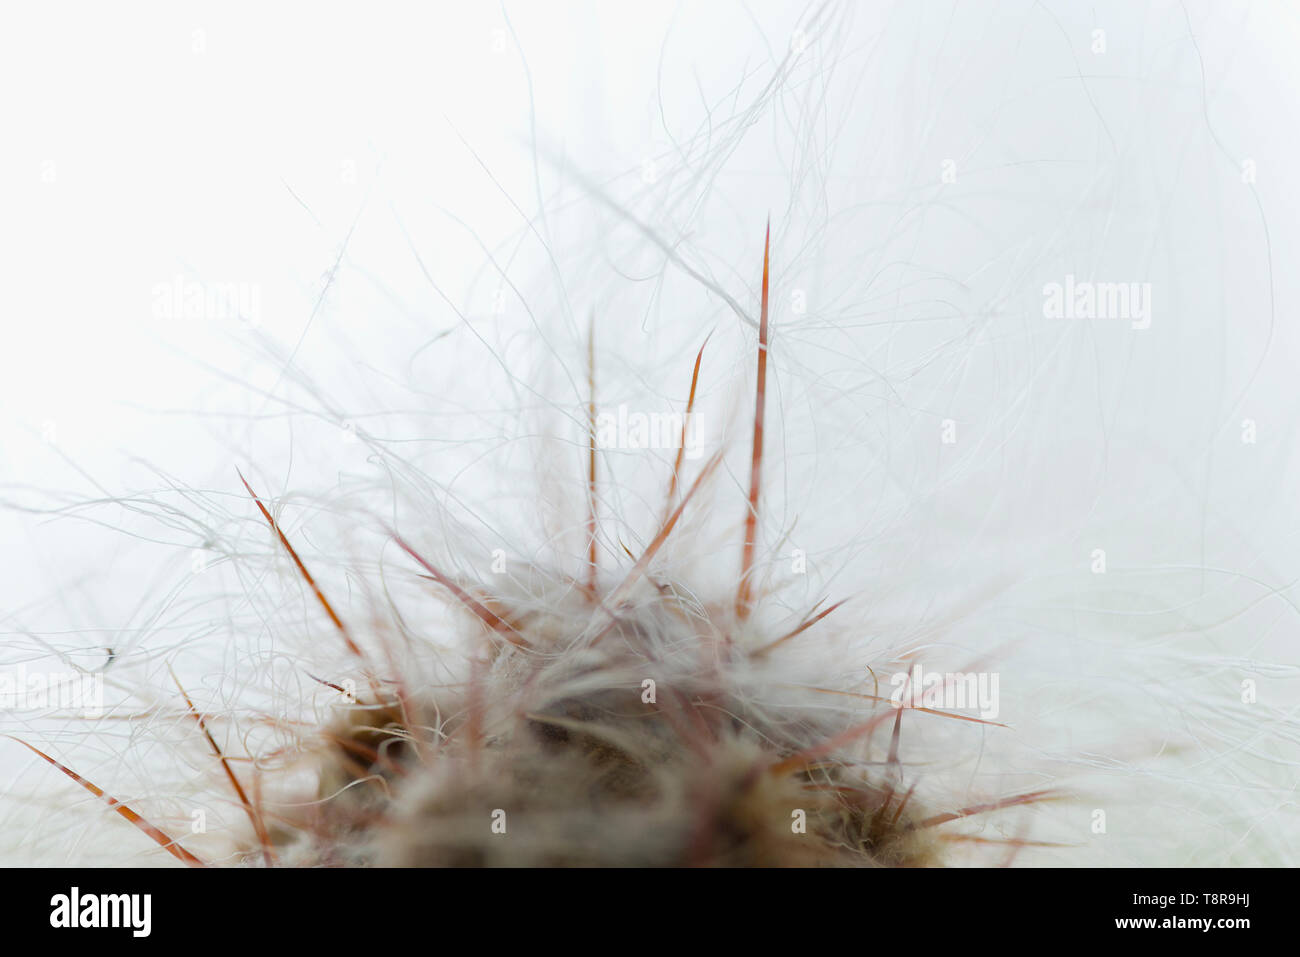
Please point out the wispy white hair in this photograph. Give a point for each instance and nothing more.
(1096, 507)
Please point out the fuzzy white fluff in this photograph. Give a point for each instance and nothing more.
(1099, 511)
